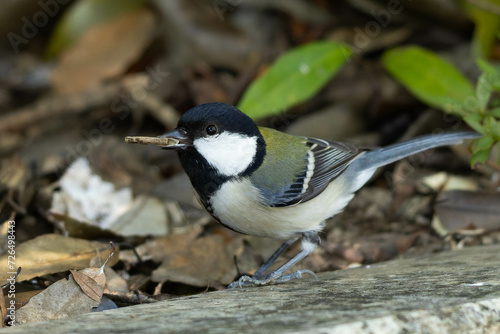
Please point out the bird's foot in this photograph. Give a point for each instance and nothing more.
(246, 281)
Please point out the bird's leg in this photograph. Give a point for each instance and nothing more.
(269, 262)
(310, 241)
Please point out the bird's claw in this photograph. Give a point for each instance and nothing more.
(246, 281)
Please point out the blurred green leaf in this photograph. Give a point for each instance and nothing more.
(430, 78)
(484, 13)
(494, 112)
(483, 91)
(491, 125)
(491, 72)
(488, 81)
(488, 68)
(81, 16)
(480, 157)
(484, 143)
(495, 102)
(293, 78)
(474, 121)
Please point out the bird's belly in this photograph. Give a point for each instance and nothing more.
(238, 205)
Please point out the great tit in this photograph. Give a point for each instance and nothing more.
(262, 182)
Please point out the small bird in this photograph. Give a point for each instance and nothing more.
(262, 182)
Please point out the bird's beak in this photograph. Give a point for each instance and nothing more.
(176, 139)
(171, 140)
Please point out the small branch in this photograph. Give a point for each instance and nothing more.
(151, 140)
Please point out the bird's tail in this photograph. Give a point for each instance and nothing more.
(362, 169)
(386, 155)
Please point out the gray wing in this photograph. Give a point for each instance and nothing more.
(325, 161)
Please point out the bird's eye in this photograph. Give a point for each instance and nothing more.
(211, 130)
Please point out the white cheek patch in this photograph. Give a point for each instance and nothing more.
(229, 153)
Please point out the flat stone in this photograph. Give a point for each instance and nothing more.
(448, 292)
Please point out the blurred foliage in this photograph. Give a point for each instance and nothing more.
(485, 15)
(293, 78)
(428, 77)
(439, 84)
(81, 16)
(193, 33)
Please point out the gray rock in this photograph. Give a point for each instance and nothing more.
(448, 292)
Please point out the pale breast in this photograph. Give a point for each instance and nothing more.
(238, 205)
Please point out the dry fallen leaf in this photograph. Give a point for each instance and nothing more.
(145, 217)
(3, 308)
(467, 210)
(374, 248)
(13, 173)
(114, 282)
(62, 299)
(105, 51)
(159, 248)
(77, 229)
(52, 253)
(445, 182)
(23, 297)
(91, 281)
(190, 259)
(206, 261)
(200, 261)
